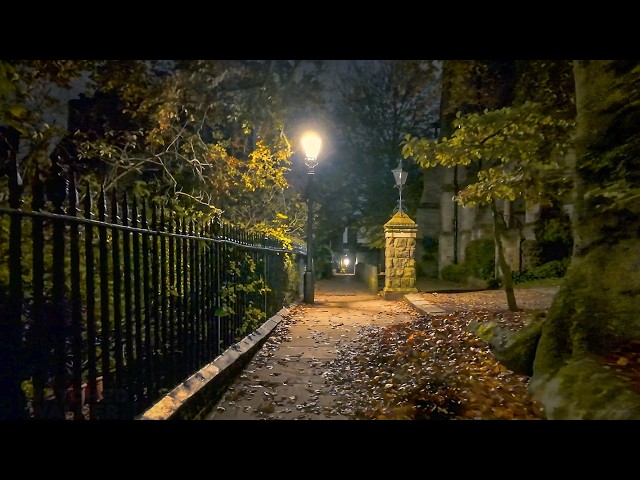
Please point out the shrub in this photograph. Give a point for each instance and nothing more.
(552, 269)
(455, 272)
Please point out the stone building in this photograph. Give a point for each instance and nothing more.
(445, 228)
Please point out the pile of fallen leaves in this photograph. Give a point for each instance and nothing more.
(434, 368)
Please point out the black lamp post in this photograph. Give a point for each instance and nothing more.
(400, 177)
(311, 144)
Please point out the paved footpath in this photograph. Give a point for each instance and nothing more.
(284, 379)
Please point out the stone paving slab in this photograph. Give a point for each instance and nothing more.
(419, 303)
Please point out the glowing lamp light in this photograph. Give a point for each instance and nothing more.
(311, 143)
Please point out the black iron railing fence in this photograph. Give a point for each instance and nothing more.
(106, 307)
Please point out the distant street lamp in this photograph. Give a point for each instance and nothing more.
(311, 144)
(345, 264)
(400, 177)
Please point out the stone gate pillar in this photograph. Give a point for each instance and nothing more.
(400, 265)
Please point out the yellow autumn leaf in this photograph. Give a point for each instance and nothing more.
(17, 110)
(622, 361)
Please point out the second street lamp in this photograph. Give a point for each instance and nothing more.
(311, 144)
(400, 177)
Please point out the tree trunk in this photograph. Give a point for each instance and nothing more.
(498, 228)
(597, 308)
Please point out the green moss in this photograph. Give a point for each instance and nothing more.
(583, 389)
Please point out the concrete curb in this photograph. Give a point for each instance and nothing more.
(189, 399)
(417, 301)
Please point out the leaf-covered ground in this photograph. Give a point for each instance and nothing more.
(429, 367)
(432, 368)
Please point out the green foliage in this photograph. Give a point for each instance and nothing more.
(5, 221)
(614, 187)
(246, 290)
(473, 85)
(252, 320)
(375, 236)
(554, 230)
(455, 272)
(203, 137)
(323, 265)
(206, 149)
(552, 269)
(518, 152)
(549, 82)
(292, 280)
(28, 88)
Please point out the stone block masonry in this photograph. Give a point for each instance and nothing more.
(400, 249)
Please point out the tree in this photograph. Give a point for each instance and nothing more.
(597, 308)
(468, 86)
(33, 97)
(207, 137)
(376, 103)
(595, 314)
(482, 104)
(516, 152)
(212, 137)
(210, 133)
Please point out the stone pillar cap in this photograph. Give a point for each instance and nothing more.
(400, 220)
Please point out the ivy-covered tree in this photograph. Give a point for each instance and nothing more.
(597, 309)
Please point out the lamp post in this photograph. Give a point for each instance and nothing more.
(311, 144)
(400, 177)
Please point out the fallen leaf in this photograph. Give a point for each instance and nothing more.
(622, 361)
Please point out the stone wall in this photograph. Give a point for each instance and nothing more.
(368, 274)
(453, 226)
(429, 221)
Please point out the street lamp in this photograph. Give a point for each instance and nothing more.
(311, 144)
(400, 177)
